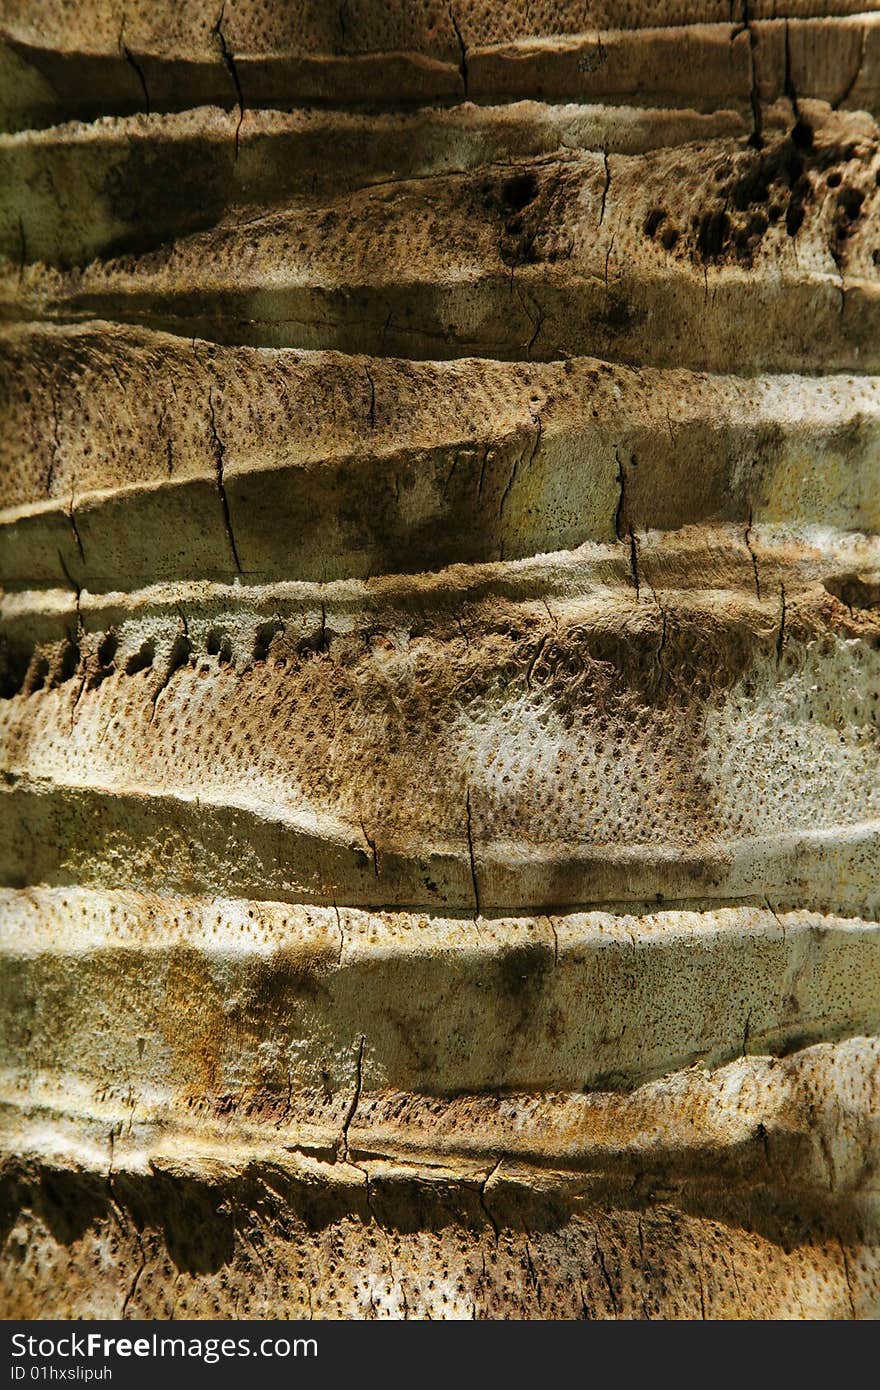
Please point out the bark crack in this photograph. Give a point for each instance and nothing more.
(848, 1276)
(539, 651)
(485, 460)
(539, 429)
(661, 646)
(533, 1273)
(860, 63)
(748, 540)
(219, 456)
(606, 1276)
(371, 412)
(355, 1099)
(372, 847)
(605, 189)
(622, 525)
(775, 915)
(135, 66)
(484, 1201)
(788, 81)
(462, 53)
(780, 636)
(341, 935)
(117, 1209)
(756, 138)
(470, 843)
(22, 255)
(229, 64)
(56, 441)
(75, 529)
(551, 924)
(179, 655)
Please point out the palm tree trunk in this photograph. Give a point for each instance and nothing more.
(440, 646)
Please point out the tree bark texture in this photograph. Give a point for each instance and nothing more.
(440, 477)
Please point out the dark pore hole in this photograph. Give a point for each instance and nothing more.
(141, 660)
(519, 191)
(802, 135)
(67, 661)
(266, 632)
(38, 673)
(15, 658)
(850, 200)
(219, 645)
(713, 233)
(107, 648)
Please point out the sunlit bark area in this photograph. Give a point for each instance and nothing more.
(439, 655)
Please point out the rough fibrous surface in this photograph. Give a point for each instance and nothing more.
(439, 652)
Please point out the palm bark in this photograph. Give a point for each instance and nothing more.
(439, 660)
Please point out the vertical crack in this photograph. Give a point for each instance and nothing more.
(634, 562)
(848, 1276)
(180, 653)
(604, 199)
(484, 1201)
(229, 63)
(608, 255)
(748, 540)
(371, 413)
(620, 513)
(606, 1276)
(775, 915)
(117, 1211)
(219, 455)
(539, 652)
(77, 591)
(788, 81)
(661, 646)
(702, 1276)
(136, 67)
(341, 934)
(539, 324)
(504, 496)
(56, 440)
(75, 529)
(780, 636)
(132, 1290)
(80, 630)
(756, 139)
(22, 253)
(449, 476)
(355, 1099)
(622, 525)
(860, 63)
(539, 429)
(372, 845)
(485, 460)
(473, 862)
(462, 54)
(533, 1273)
(552, 925)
